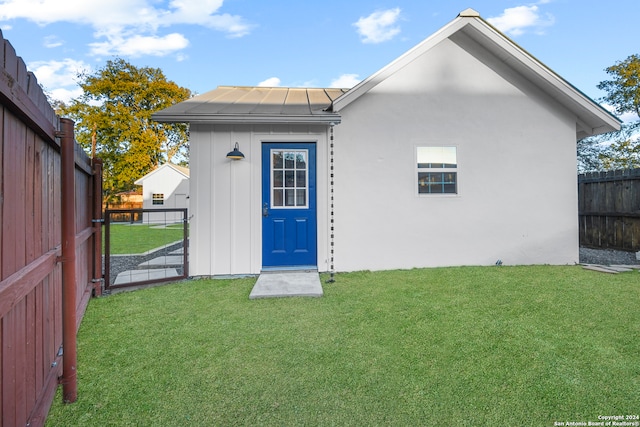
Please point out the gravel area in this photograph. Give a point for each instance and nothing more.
(120, 263)
(607, 257)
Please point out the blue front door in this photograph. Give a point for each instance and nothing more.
(289, 235)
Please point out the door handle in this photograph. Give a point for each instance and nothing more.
(265, 210)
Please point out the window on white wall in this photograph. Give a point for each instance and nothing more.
(437, 170)
(157, 199)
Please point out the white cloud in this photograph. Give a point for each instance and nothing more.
(270, 82)
(345, 81)
(518, 20)
(138, 45)
(129, 25)
(378, 27)
(52, 41)
(59, 78)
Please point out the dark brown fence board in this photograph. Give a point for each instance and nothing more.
(609, 209)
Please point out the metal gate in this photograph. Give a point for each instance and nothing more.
(145, 246)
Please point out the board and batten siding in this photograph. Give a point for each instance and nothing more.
(517, 199)
(226, 195)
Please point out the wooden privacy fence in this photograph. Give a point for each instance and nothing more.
(609, 209)
(50, 256)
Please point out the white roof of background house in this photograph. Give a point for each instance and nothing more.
(229, 104)
(241, 104)
(180, 169)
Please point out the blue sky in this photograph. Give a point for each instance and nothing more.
(200, 44)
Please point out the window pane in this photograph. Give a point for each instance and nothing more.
(277, 198)
(289, 158)
(301, 197)
(449, 177)
(278, 179)
(301, 160)
(301, 179)
(449, 189)
(289, 179)
(437, 182)
(277, 159)
(289, 196)
(437, 157)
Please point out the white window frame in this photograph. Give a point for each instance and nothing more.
(271, 180)
(418, 170)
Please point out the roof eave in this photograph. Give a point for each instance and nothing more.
(247, 119)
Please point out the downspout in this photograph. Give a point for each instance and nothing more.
(331, 207)
(69, 322)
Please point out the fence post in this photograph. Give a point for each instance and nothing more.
(97, 226)
(69, 322)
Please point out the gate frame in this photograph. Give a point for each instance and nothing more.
(107, 246)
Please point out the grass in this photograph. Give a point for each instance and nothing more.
(140, 238)
(476, 346)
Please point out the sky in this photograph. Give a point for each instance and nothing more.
(202, 44)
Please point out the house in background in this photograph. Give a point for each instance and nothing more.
(460, 152)
(166, 187)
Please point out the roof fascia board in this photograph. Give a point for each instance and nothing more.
(248, 119)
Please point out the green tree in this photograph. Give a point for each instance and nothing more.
(113, 121)
(616, 150)
(623, 90)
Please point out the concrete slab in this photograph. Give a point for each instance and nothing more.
(275, 284)
(131, 276)
(165, 260)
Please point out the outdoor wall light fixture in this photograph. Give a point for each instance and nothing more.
(235, 154)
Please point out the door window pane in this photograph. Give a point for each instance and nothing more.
(277, 159)
(277, 198)
(289, 180)
(301, 179)
(289, 160)
(301, 160)
(277, 179)
(290, 199)
(301, 197)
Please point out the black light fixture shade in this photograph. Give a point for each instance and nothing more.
(235, 154)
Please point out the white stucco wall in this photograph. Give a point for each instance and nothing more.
(517, 198)
(226, 195)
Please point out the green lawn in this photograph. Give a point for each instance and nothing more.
(475, 346)
(139, 238)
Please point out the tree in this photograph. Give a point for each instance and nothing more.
(616, 150)
(623, 91)
(113, 121)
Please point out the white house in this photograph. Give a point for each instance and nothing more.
(165, 187)
(460, 152)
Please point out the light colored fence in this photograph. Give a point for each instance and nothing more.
(42, 269)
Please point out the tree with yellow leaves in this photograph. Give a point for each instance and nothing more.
(113, 121)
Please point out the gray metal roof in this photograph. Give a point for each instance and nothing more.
(242, 104)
